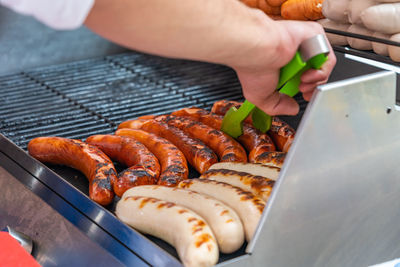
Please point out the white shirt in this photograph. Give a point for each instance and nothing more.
(57, 14)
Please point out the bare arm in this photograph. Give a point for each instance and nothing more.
(223, 31)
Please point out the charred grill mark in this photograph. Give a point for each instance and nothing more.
(185, 184)
(215, 132)
(182, 211)
(271, 156)
(199, 226)
(143, 202)
(101, 165)
(110, 171)
(176, 168)
(135, 198)
(135, 172)
(226, 172)
(230, 157)
(166, 204)
(102, 182)
(191, 219)
(195, 230)
(170, 205)
(160, 206)
(224, 212)
(202, 239)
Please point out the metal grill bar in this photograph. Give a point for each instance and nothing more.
(78, 99)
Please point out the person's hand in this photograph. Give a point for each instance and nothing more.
(258, 72)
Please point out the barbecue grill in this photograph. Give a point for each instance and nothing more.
(83, 98)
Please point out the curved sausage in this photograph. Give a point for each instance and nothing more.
(197, 153)
(258, 185)
(227, 149)
(173, 163)
(182, 228)
(281, 133)
(224, 221)
(247, 205)
(88, 159)
(144, 168)
(253, 140)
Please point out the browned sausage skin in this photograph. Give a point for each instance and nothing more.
(222, 144)
(173, 163)
(196, 152)
(281, 133)
(253, 140)
(272, 158)
(144, 168)
(88, 159)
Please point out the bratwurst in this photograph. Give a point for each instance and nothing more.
(88, 159)
(173, 163)
(144, 168)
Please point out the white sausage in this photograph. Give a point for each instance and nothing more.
(180, 227)
(394, 51)
(247, 206)
(224, 221)
(379, 48)
(359, 43)
(384, 18)
(335, 39)
(336, 10)
(258, 185)
(256, 169)
(356, 7)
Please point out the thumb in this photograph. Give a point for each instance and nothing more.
(277, 104)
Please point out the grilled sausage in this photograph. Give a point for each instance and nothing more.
(282, 134)
(280, 131)
(224, 221)
(272, 158)
(173, 163)
(227, 149)
(88, 159)
(197, 153)
(258, 185)
(144, 168)
(179, 226)
(222, 106)
(253, 140)
(247, 206)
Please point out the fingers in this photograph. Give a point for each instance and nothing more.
(312, 78)
(277, 104)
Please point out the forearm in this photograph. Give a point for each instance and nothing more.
(208, 30)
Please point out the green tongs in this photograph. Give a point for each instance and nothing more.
(312, 53)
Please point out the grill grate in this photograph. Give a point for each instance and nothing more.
(79, 99)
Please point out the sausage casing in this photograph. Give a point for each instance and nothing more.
(200, 156)
(281, 132)
(258, 185)
(144, 167)
(223, 220)
(182, 228)
(88, 159)
(247, 205)
(253, 140)
(227, 149)
(172, 161)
